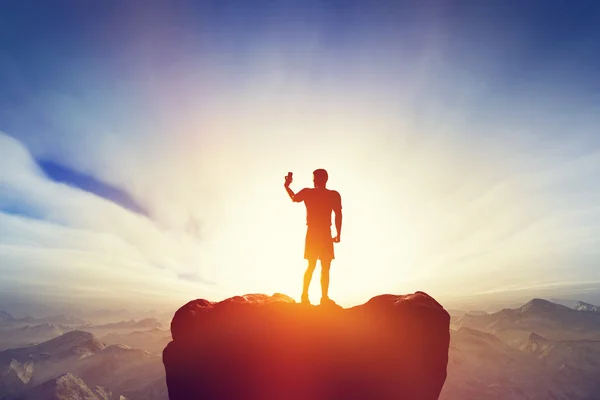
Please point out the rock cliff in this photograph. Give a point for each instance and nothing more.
(258, 347)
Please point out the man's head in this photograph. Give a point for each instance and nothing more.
(320, 178)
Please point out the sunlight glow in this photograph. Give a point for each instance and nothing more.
(450, 180)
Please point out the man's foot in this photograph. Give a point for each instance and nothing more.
(304, 299)
(326, 301)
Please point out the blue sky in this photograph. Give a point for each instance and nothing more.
(464, 132)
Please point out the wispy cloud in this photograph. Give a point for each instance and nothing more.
(81, 238)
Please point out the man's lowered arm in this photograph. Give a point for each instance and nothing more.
(338, 220)
(338, 224)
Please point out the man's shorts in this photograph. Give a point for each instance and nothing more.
(319, 244)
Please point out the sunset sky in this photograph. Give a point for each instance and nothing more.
(143, 148)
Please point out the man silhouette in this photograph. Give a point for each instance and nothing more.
(320, 202)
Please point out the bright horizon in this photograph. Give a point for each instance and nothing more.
(145, 163)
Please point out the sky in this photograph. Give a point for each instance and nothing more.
(143, 148)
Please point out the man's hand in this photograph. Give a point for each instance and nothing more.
(336, 239)
(288, 181)
(295, 197)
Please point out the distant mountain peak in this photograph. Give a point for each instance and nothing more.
(583, 306)
(534, 337)
(542, 306)
(75, 336)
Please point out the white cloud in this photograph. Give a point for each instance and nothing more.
(82, 239)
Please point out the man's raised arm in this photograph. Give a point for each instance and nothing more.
(296, 197)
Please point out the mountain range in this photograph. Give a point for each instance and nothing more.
(29, 335)
(541, 350)
(66, 387)
(537, 351)
(153, 340)
(117, 368)
(551, 320)
(481, 366)
(27, 331)
(146, 323)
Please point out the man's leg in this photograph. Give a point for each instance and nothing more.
(307, 278)
(325, 266)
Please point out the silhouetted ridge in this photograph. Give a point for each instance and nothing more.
(261, 347)
(146, 323)
(55, 319)
(74, 343)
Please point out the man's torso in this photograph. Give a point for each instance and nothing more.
(319, 205)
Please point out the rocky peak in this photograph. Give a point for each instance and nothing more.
(272, 347)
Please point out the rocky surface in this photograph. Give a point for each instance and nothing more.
(259, 346)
